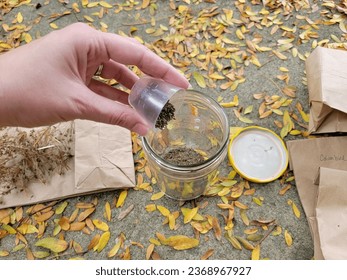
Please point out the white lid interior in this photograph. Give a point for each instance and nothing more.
(258, 154)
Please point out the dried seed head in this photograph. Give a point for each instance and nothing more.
(27, 156)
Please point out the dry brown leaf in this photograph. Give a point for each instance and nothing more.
(85, 214)
(208, 254)
(64, 223)
(44, 216)
(77, 226)
(285, 189)
(94, 241)
(84, 205)
(240, 205)
(216, 228)
(77, 247)
(125, 212)
(90, 224)
(73, 215)
(149, 251)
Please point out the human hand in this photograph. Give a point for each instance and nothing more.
(51, 79)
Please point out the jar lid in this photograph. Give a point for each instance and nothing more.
(258, 154)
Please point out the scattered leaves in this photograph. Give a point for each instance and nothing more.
(213, 47)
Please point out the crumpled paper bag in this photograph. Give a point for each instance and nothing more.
(331, 213)
(306, 157)
(103, 161)
(326, 73)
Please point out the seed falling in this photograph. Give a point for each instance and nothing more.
(167, 114)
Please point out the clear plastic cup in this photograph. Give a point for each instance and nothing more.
(148, 97)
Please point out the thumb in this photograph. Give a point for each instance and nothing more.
(100, 109)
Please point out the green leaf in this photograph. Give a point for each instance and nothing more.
(53, 244)
(199, 79)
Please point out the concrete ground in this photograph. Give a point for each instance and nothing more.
(139, 226)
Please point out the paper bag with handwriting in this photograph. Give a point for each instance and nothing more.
(331, 213)
(103, 161)
(326, 73)
(306, 157)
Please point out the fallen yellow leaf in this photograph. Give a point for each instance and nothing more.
(105, 4)
(200, 80)
(163, 210)
(288, 238)
(53, 25)
(108, 213)
(157, 196)
(105, 237)
(4, 253)
(189, 214)
(256, 253)
(100, 225)
(53, 244)
(151, 207)
(149, 251)
(180, 242)
(121, 198)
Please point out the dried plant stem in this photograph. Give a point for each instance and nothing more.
(272, 81)
(266, 235)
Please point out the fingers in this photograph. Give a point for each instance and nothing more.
(100, 109)
(104, 46)
(119, 72)
(127, 52)
(108, 91)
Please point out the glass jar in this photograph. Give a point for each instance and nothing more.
(201, 125)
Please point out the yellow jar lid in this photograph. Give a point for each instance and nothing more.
(258, 154)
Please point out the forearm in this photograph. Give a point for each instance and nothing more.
(6, 106)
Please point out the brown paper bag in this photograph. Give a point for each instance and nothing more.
(103, 161)
(306, 156)
(326, 73)
(331, 213)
